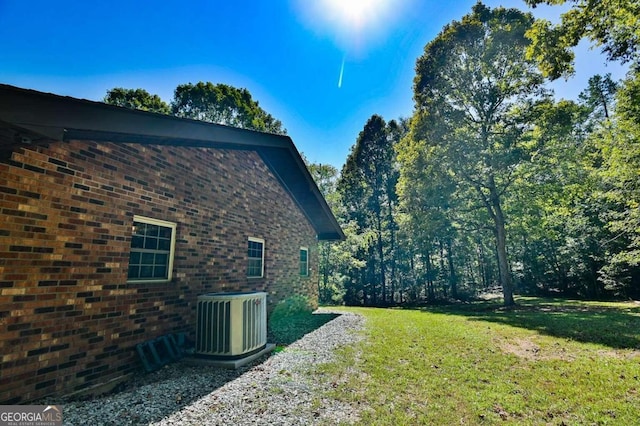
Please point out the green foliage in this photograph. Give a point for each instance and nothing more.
(325, 176)
(614, 25)
(554, 237)
(551, 50)
(621, 190)
(136, 99)
(546, 362)
(330, 283)
(223, 104)
(475, 96)
(599, 95)
(292, 306)
(219, 103)
(367, 190)
(495, 179)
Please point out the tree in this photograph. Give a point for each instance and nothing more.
(613, 25)
(619, 173)
(367, 187)
(474, 92)
(219, 103)
(136, 99)
(329, 286)
(325, 176)
(599, 96)
(427, 202)
(556, 229)
(223, 104)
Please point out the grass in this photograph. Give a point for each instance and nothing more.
(546, 362)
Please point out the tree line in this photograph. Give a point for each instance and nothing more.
(491, 184)
(215, 103)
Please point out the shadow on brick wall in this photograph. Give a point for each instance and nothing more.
(150, 397)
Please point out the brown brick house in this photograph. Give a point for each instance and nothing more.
(114, 221)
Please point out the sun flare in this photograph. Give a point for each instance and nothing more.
(354, 25)
(348, 19)
(356, 14)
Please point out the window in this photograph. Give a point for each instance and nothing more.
(152, 247)
(304, 261)
(255, 268)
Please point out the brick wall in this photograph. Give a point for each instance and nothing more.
(68, 318)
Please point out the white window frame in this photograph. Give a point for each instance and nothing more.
(261, 241)
(173, 226)
(306, 271)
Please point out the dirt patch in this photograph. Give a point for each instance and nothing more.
(522, 348)
(624, 354)
(530, 350)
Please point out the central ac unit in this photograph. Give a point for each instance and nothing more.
(231, 325)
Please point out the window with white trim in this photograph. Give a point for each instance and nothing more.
(304, 261)
(152, 250)
(255, 255)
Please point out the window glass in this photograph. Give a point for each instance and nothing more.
(304, 261)
(152, 246)
(255, 255)
(137, 241)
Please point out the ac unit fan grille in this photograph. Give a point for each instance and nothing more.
(231, 324)
(251, 331)
(214, 322)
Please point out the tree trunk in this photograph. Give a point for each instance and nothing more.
(501, 247)
(442, 269)
(325, 254)
(380, 247)
(371, 277)
(594, 287)
(429, 278)
(482, 265)
(392, 243)
(453, 279)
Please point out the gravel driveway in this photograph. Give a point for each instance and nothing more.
(281, 389)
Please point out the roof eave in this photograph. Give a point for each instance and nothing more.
(35, 117)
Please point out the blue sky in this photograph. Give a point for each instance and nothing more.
(287, 53)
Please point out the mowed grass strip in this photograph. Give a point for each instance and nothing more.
(546, 362)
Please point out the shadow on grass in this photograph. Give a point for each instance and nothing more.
(610, 324)
(285, 330)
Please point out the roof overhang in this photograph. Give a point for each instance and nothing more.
(28, 117)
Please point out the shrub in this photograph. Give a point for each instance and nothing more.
(292, 306)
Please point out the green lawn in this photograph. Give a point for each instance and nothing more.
(546, 362)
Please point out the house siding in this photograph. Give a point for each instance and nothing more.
(68, 318)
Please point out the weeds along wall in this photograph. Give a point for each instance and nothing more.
(69, 320)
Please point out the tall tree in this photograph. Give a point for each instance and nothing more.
(367, 188)
(223, 104)
(396, 131)
(474, 91)
(136, 99)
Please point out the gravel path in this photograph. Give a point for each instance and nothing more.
(281, 389)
